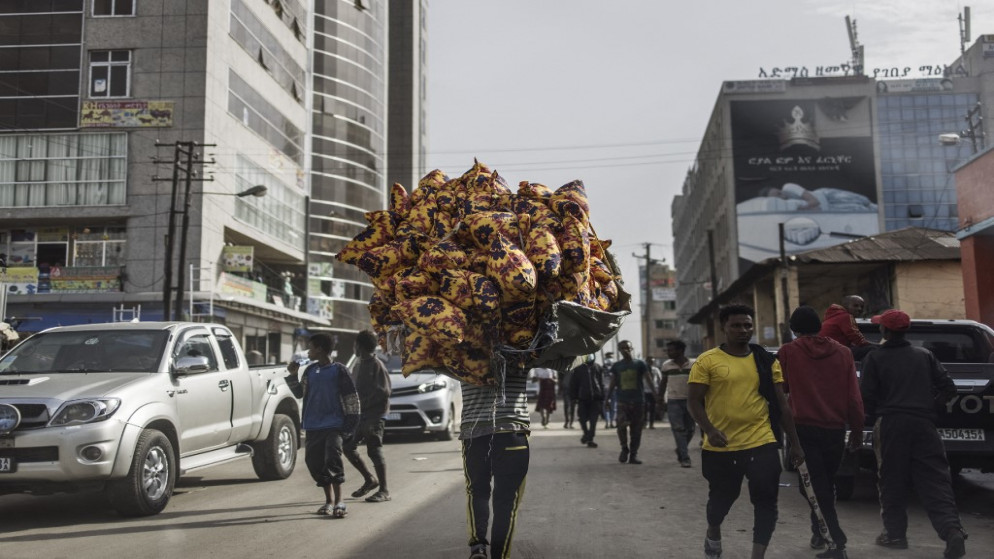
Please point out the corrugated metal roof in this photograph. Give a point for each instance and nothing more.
(903, 245)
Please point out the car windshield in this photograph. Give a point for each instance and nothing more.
(89, 352)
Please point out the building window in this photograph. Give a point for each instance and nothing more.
(63, 170)
(113, 7)
(110, 73)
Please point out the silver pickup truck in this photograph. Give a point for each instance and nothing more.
(129, 407)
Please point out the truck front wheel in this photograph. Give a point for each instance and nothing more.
(275, 457)
(149, 484)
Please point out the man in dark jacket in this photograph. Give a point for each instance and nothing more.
(820, 377)
(840, 323)
(587, 390)
(372, 382)
(902, 385)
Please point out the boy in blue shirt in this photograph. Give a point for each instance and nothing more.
(330, 417)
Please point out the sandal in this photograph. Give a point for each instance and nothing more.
(339, 511)
(325, 509)
(378, 497)
(366, 488)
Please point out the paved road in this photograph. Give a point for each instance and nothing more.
(579, 502)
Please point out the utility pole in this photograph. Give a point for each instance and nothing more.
(181, 151)
(974, 127)
(646, 302)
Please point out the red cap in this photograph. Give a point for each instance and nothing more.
(896, 320)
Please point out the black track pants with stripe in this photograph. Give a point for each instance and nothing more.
(503, 460)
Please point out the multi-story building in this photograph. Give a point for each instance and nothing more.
(828, 159)
(660, 325)
(130, 128)
(368, 131)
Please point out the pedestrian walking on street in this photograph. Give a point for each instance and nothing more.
(587, 390)
(649, 391)
(494, 432)
(546, 402)
(372, 383)
(329, 417)
(820, 380)
(738, 400)
(902, 385)
(676, 372)
(627, 380)
(569, 403)
(610, 399)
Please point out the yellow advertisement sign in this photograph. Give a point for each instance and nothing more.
(237, 258)
(126, 114)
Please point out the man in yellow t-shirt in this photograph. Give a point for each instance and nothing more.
(736, 397)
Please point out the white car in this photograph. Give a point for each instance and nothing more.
(426, 402)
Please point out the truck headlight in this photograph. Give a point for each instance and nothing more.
(437, 384)
(78, 412)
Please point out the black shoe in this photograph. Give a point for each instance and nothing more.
(370, 485)
(817, 542)
(634, 459)
(955, 544)
(685, 463)
(591, 444)
(833, 553)
(478, 551)
(584, 440)
(623, 457)
(884, 540)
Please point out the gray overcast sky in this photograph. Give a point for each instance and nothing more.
(618, 93)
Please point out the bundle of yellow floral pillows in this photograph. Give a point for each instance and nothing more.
(465, 267)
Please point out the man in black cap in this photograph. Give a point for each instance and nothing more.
(820, 377)
(902, 385)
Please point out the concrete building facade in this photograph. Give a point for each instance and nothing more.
(106, 105)
(831, 159)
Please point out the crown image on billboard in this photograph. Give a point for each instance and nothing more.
(798, 132)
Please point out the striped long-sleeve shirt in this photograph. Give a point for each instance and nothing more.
(485, 413)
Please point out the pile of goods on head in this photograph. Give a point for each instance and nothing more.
(465, 267)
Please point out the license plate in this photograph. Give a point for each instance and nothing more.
(6, 442)
(393, 416)
(961, 434)
(8, 465)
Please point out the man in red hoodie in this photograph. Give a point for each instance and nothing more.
(840, 323)
(820, 378)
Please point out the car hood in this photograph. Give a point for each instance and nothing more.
(66, 386)
(398, 381)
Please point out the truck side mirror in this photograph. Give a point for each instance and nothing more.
(188, 365)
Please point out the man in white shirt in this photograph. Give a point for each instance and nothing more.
(676, 371)
(651, 384)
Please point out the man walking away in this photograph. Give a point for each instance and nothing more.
(820, 378)
(738, 400)
(494, 432)
(676, 372)
(628, 376)
(902, 385)
(587, 389)
(650, 390)
(373, 386)
(569, 403)
(330, 415)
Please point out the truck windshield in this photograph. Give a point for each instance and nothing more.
(949, 343)
(137, 351)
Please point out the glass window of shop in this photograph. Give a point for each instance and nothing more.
(65, 246)
(113, 8)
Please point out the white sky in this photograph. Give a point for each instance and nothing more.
(618, 93)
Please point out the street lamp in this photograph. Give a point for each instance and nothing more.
(257, 191)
